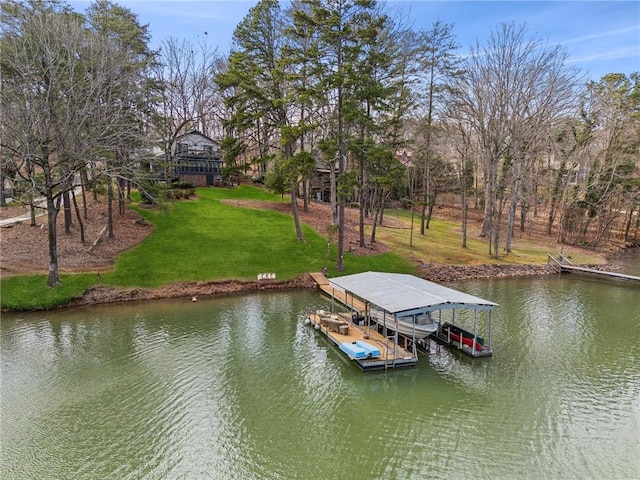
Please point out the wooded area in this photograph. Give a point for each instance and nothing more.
(388, 112)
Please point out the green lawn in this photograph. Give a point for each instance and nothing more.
(201, 240)
(441, 243)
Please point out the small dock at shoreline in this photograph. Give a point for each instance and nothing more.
(564, 265)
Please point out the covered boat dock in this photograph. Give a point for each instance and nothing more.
(393, 304)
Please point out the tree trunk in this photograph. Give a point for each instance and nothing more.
(32, 210)
(496, 221)
(432, 202)
(464, 212)
(121, 190)
(627, 227)
(560, 236)
(524, 209)
(413, 216)
(3, 200)
(489, 197)
(84, 182)
(464, 192)
(513, 203)
(333, 194)
(305, 195)
(362, 204)
(341, 226)
(110, 209)
(66, 201)
(375, 206)
(511, 220)
(495, 226)
(78, 216)
(296, 215)
(555, 197)
(53, 278)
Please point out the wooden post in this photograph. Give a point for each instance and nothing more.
(475, 332)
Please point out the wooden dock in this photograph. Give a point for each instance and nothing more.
(392, 354)
(563, 265)
(400, 350)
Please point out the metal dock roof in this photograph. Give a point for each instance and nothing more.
(402, 295)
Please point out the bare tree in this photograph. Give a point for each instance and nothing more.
(436, 63)
(63, 104)
(512, 91)
(464, 147)
(189, 99)
(121, 25)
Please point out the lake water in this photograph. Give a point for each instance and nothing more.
(239, 388)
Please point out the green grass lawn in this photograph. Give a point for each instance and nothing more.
(442, 243)
(30, 292)
(206, 239)
(203, 240)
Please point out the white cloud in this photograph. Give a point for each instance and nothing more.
(607, 34)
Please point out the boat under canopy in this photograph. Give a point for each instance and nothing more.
(400, 303)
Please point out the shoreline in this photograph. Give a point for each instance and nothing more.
(437, 273)
(102, 294)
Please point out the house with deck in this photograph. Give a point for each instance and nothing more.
(197, 159)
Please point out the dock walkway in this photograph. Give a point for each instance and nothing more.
(565, 266)
(323, 284)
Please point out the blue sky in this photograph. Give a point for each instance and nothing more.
(600, 36)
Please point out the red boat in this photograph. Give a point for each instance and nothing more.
(465, 340)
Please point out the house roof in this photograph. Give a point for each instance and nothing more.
(404, 295)
(196, 132)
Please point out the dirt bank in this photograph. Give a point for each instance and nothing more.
(194, 290)
(435, 273)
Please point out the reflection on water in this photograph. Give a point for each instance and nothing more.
(239, 387)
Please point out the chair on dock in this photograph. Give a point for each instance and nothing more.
(334, 324)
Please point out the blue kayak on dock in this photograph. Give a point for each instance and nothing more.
(372, 350)
(359, 349)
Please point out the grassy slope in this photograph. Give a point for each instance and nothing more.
(200, 240)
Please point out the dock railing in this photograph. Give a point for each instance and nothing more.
(553, 263)
(558, 264)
